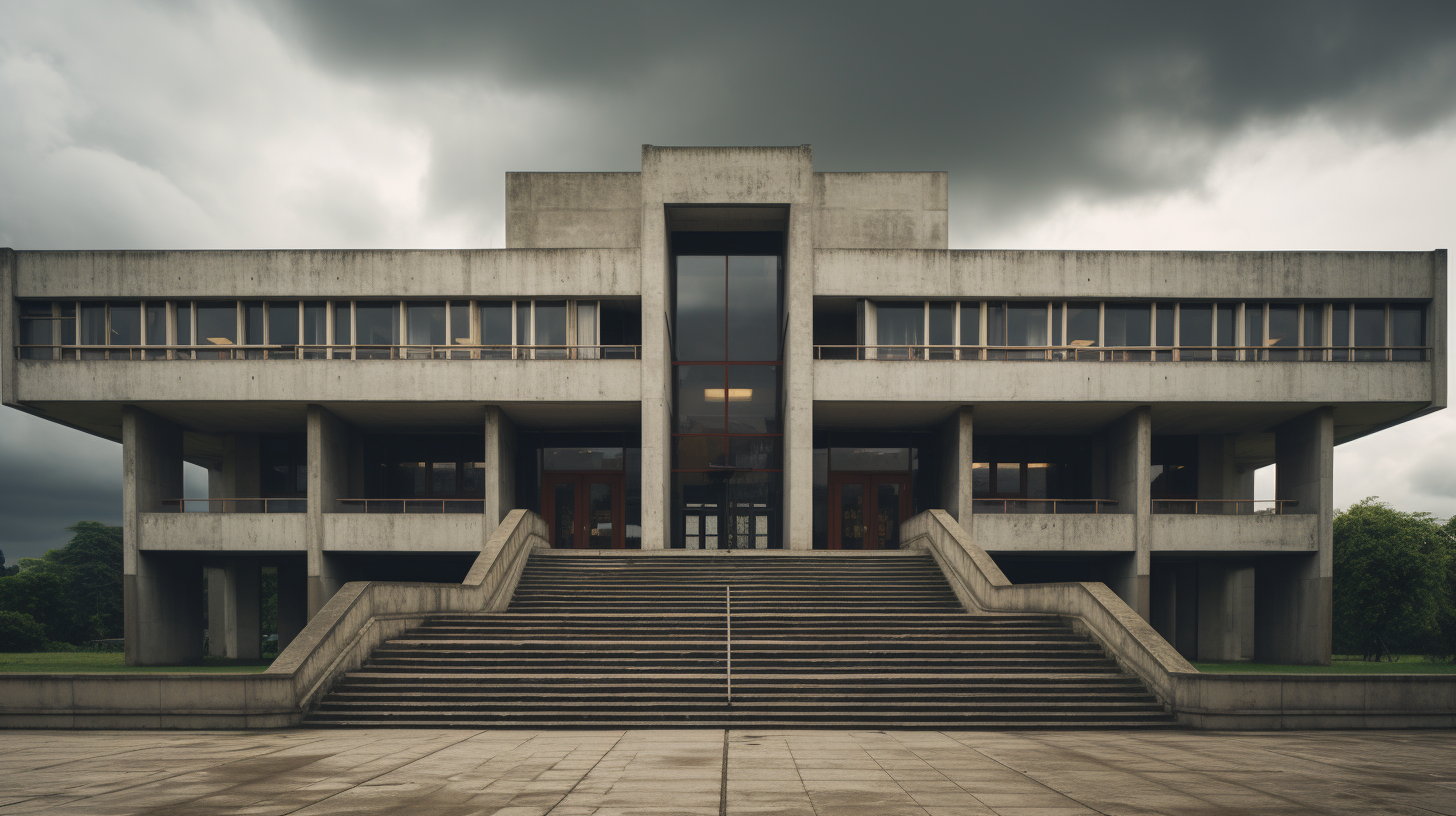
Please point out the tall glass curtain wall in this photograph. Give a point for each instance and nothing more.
(727, 425)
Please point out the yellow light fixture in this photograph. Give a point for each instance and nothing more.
(220, 341)
(734, 394)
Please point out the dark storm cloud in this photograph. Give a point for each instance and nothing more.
(1019, 101)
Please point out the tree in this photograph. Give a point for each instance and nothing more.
(1390, 580)
(75, 592)
(20, 633)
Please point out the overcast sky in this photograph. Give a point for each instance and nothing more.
(1266, 125)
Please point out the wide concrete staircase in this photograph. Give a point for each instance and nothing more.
(739, 640)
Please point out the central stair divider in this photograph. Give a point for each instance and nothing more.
(728, 638)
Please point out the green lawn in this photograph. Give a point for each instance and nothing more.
(69, 662)
(1343, 664)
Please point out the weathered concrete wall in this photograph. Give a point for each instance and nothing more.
(957, 440)
(556, 210)
(1039, 381)
(1266, 533)
(224, 532)
(881, 210)
(1046, 533)
(350, 273)
(329, 380)
(1101, 274)
(404, 532)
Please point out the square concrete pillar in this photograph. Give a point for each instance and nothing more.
(798, 375)
(1293, 593)
(1225, 610)
(234, 610)
(500, 467)
(1129, 455)
(956, 444)
(1219, 476)
(292, 601)
(329, 444)
(163, 592)
(239, 476)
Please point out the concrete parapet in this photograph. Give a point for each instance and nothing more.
(223, 532)
(1109, 532)
(1240, 534)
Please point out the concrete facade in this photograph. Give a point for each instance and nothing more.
(857, 252)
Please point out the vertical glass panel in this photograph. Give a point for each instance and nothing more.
(472, 480)
(217, 325)
(1408, 328)
(700, 400)
(970, 323)
(700, 323)
(93, 330)
(343, 323)
(586, 329)
(426, 323)
(1026, 325)
(1226, 327)
(1059, 321)
(376, 323)
(1082, 320)
(253, 325)
(1128, 325)
(581, 458)
(753, 452)
(1314, 331)
(1036, 479)
(700, 452)
(1166, 329)
(599, 525)
(1340, 331)
(851, 517)
(563, 520)
(184, 324)
(315, 323)
(980, 478)
(551, 329)
(1254, 331)
(899, 325)
(869, 459)
(710, 531)
(461, 332)
(887, 516)
(283, 323)
(942, 328)
(1283, 331)
(126, 326)
(1195, 328)
(753, 399)
(495, 328)
(753, 307)
(523, 323)
(1369, 331)
(35, 332)
(996, 327)
(156, 323)
(1008, 478)
(442, 479)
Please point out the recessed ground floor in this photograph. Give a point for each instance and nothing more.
(679, 772)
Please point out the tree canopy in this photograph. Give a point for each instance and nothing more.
(75, 592)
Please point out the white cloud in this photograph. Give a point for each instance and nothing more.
(1303, 187)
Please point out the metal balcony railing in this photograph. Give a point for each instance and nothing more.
(1130, 354)
(1056, 507)
(288, 505)
(1223, 507)
(328, 352)
(412, 506)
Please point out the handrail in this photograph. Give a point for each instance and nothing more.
(1275, 507)
(1156, 354)
(363, 614)
(419, 505)
(982, 587)
(341, 351)
(296, 504)
(728, 640)
(977, 506)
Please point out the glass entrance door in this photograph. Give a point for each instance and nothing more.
(865, 510)
(584, 510)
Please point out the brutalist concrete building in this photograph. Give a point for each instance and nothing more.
(729, 350)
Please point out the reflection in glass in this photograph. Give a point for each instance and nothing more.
(1195, 328)
(1314, 330)
(980, 478)
(376, 323)
(156, 328)
(253, 328)
(586, 329)
(696, 412)
(1008, 477)
(1128, 324)
(343, 323)
(753, 452)
(523, 323)
(996, 326)
(599, 525)
(1254, 330)
(1283, 331)
(887, 513)
(283, 323)
(970, 324)
(93, 330)
(1340, 331)
(461, 333)
(184, 325)
(700, 323)
(495, 328)
(851, 517)
(1036, 480)
(581, 458)
(1407, 328)
(36, 332)
(472, 480)
(442, 479)
(869, 459)
(899, 324)
(699, 452)
(1082, 320)
(1026, 325)
(217, 325)
(1167, 324)
(942, 328)
(753, 399)
(551, 329)
(425, 321)
(126, 326)
(1225, 329)
(753, 307)
(1369, 331)
(315, 326)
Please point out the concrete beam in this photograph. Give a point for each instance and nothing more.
(956, 450)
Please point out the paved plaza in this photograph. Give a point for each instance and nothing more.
(576, 773)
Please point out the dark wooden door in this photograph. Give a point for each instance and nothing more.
(585, 510)
(866, 509)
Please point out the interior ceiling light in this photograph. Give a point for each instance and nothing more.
(734, 394)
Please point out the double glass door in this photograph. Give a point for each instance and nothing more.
(585, 510)
(865, 510)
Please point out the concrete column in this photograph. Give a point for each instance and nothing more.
(240, 475)
(292, 601)
(956, 443)
(500, 467)
(9, 330)
(163, 592)
(799, 380)
(656, 364)
(1225, 610)
(329, 444)
(1219, 476)
(1293, 613)
(234, 610)
(1129, 454)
